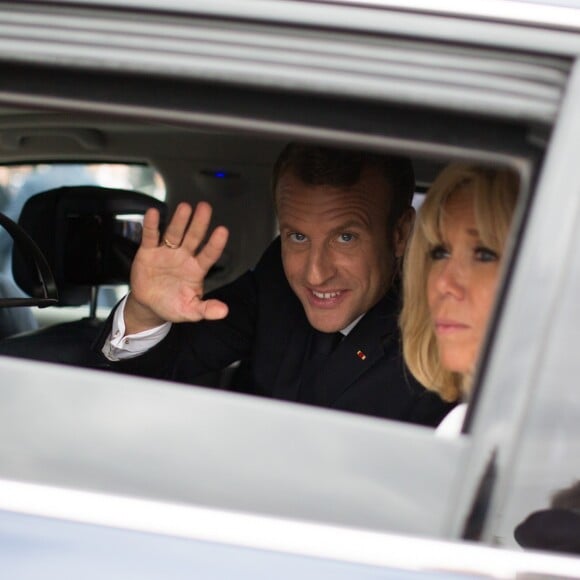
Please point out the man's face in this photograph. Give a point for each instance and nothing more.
(337, 253)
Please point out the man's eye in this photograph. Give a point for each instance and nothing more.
(345, 238)
(483, 254)
(438, 253)
(297, 237)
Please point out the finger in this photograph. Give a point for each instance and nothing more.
(213, 249)
(176, 229)
(150, 236)
(198, 227)
(213, 309)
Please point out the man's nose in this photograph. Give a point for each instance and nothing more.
(319, 266)
(451, 279)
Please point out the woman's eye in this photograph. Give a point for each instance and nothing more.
(345, 238)
(483, 254)
(438, 253)
(297, 237)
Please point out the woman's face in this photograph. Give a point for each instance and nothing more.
(461, 285)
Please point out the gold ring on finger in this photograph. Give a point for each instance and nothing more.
(169, 244)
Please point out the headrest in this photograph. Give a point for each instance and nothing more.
(88, 234)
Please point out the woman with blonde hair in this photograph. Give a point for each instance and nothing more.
(450, 276)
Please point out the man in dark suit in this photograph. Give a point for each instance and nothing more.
(315, 320)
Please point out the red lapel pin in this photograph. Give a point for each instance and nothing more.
(361, 355)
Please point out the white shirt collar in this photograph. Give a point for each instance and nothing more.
(346, 330)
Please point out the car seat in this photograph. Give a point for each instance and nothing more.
(15, 312)
(89, 236)
(14, 320)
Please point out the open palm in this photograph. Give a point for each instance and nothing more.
(167, 278)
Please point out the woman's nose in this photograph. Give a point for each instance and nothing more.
(451, 279)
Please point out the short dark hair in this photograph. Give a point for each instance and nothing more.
(317, 165)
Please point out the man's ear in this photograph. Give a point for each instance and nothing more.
(402, 231)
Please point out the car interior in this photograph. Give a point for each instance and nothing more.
(79, 184)
(81, 227)
(89, 236)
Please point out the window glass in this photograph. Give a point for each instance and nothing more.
(20, 182)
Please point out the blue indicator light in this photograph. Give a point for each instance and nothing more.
(219, 174)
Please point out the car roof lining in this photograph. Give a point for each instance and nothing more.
(272, 115)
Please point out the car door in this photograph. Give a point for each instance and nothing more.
(530, 408)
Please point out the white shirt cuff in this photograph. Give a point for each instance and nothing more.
(120, 347)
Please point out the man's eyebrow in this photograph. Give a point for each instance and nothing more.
(284, 225)
(348, 224)
(352, 223)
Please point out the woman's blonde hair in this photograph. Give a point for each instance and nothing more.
(494, 193)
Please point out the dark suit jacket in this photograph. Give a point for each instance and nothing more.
(267, 327)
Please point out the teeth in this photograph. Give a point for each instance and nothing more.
(325, 295)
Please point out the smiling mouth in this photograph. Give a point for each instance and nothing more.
(325, 295)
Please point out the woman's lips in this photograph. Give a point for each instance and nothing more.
(446, 326)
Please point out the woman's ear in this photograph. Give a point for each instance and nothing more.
(402, 231)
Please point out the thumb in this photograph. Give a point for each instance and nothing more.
(213, 309)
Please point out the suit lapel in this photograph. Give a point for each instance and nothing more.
(360, 350)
